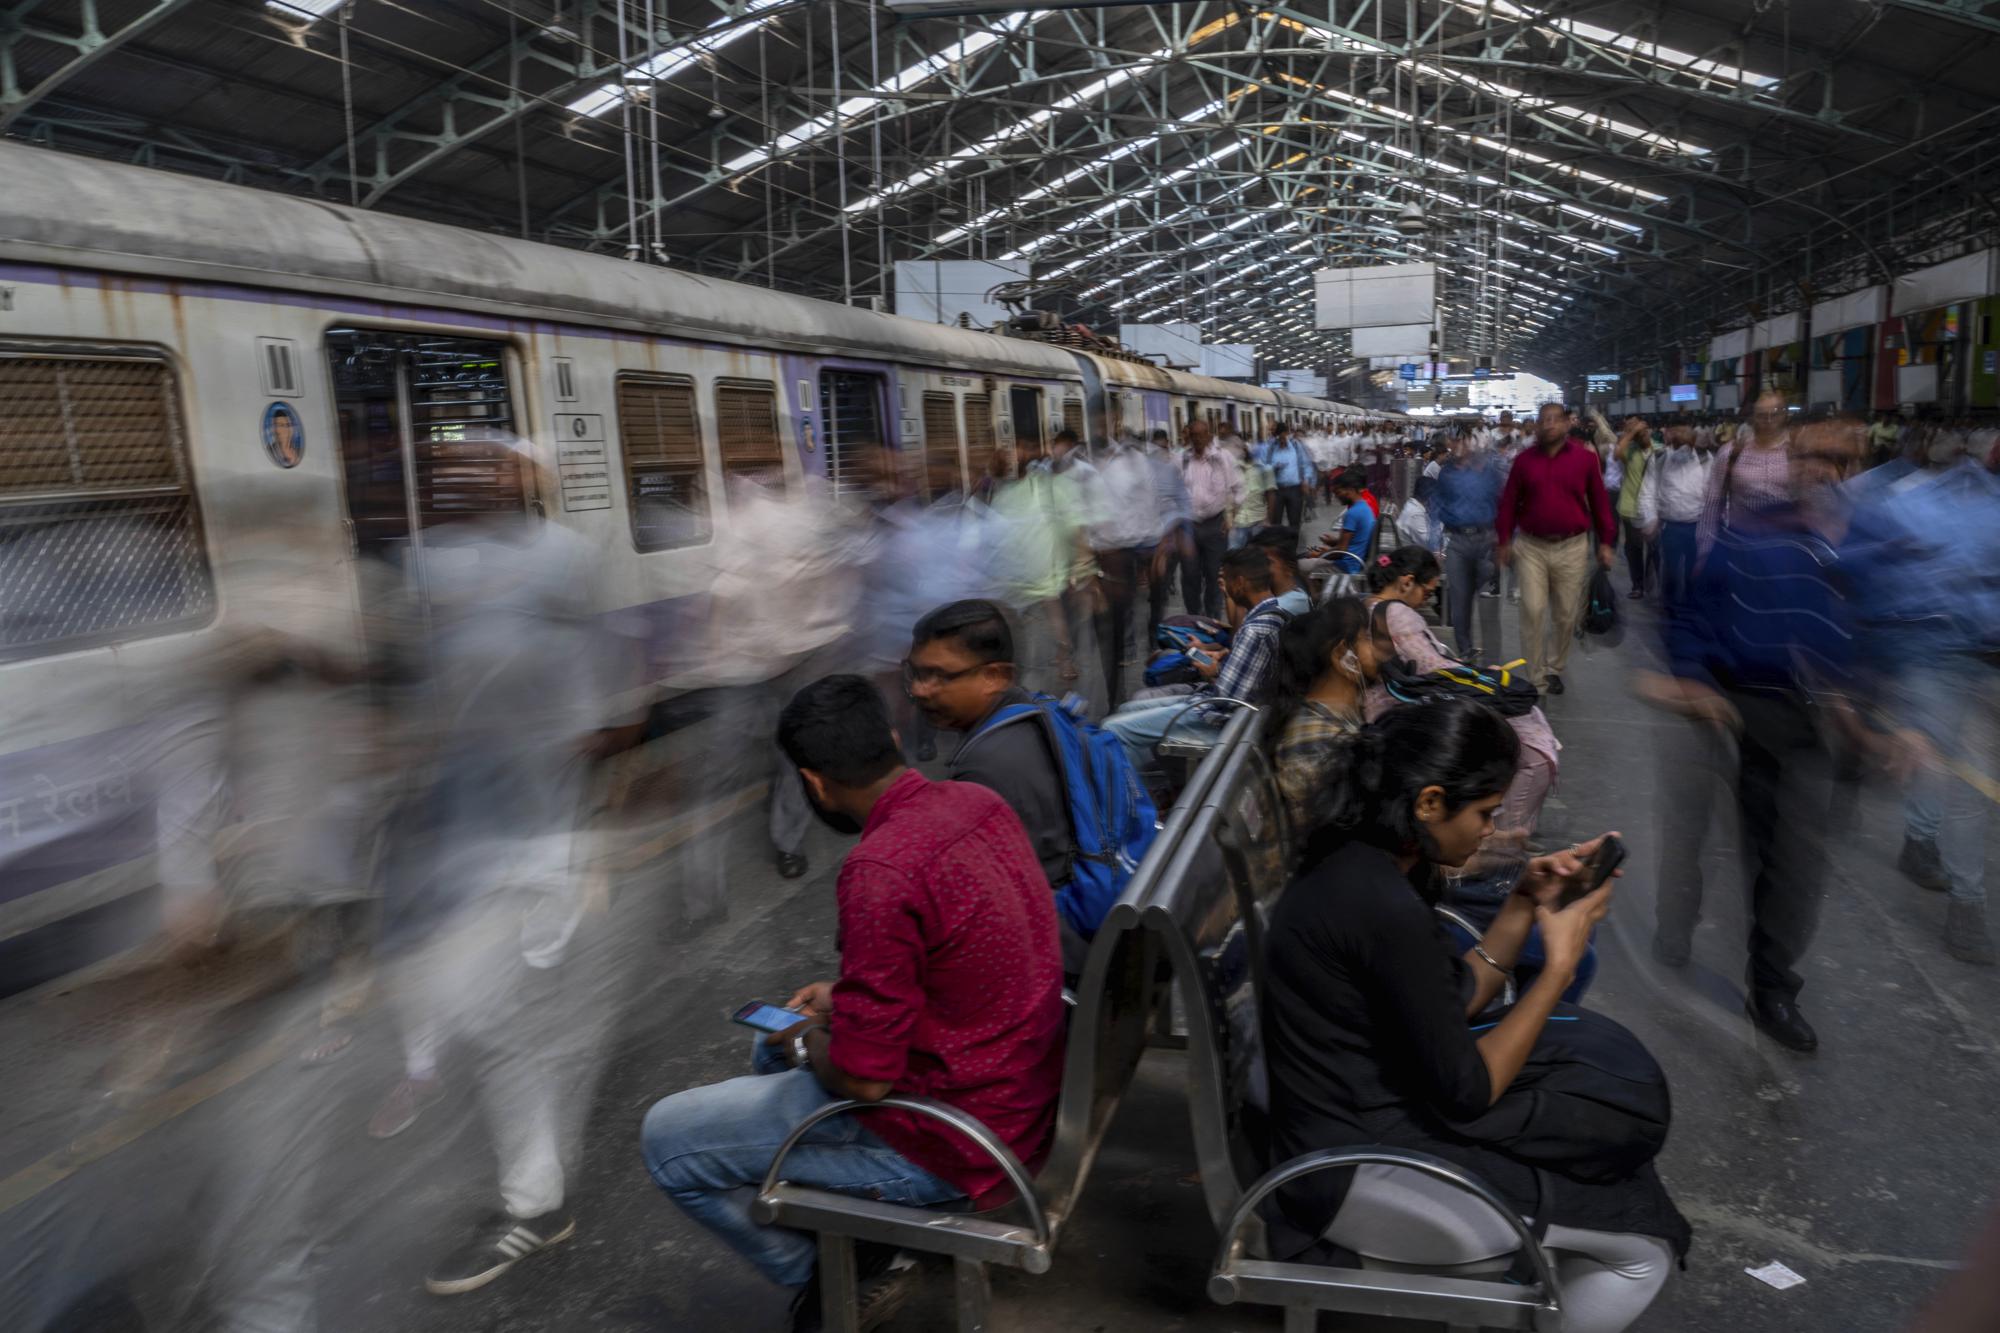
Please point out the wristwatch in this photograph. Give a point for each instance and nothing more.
(800, 1056)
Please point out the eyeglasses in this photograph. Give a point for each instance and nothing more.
(914, 675)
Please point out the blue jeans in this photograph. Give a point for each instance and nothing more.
(709, 1148)
(1955, 701)
(1143, 724)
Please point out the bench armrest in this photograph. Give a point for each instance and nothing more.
(1222, 1286)
(968, 1126)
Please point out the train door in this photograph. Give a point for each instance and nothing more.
(850, 408)
(426, 437)
(942, 472)
(1029, 440)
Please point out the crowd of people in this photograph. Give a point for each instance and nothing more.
(1817, 619)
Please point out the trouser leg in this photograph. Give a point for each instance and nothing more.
(1159, 583)
(1568, 576)
(1677, 552)
(1638, 555)
(1468, 568)
(1691, 759)
(1291, 506)
(1532, 569)
(1210, 542)
(1781, 791)
(1957, 705)
(1115, 574)
(709, 1148)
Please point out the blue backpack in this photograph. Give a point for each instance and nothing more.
(1111, 817)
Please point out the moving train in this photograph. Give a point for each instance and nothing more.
(181, 359)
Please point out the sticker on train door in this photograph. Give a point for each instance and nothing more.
(284, 435)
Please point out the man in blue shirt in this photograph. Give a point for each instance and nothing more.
(1292, 471)
(1464, 502)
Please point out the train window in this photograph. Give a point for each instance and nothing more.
(850, 409)
(978, 435)
(746, 427)
(661, 443)
(941, 468)
(1073, 417)
(1028, 428)
(100, 533)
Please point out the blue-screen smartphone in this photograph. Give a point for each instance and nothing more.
(766, 1017)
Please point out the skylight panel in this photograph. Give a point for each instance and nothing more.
(312, 11)
(656, 69)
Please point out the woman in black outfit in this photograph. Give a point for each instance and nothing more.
(1368, 1028)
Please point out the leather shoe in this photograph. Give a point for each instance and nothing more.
(1778, 1017)
(1672, 950)
(791, 865)
(1555, 685)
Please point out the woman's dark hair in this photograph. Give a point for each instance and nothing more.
(1465, 748)
(1389, 566)
(1305, 647)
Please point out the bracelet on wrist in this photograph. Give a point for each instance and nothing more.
(801, 1057)
(1492, 962)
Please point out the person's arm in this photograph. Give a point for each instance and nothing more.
(1603, 517)
(1565, 937)
(1242, 673)
(1510, 500)
(863, 1049)
(1412, 640)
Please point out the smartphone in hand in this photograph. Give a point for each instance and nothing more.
(1610, 855)
(766, 1017)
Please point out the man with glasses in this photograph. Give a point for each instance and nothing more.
(960, 672)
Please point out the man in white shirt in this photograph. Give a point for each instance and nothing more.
(1670, 506)
(1215, 489)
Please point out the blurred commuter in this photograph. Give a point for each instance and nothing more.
(1552, 508)
(1293, 475)
(949, 988)
(1925, 555)
(1214, 491)
(1764, 650)
(1369, 1038)
(1467, 497)
(1326, 659)
(1635, 454)
(1755, 472)
(1134, 528)
(1254, 511)
(1170, 494)
(1670, 505)
(487, 892)
(1243, 672)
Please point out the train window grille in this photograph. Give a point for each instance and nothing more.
(746, 428)
(463, 424)
(100, 532)
(978, 435)
(661, 442)
(565, 379)
(850, 406)
(941, 468)
(281, 367)
(1072, 413)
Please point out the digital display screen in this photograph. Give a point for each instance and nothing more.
(1686, 393)
(1601, 384)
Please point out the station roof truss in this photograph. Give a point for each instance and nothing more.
(1601, 182)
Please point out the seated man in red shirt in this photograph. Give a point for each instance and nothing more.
(950, 987)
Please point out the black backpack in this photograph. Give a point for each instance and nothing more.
(1600, 613)
(1591, 1103)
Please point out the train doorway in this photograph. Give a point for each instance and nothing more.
(1029, 442)
(850, 406)
(427, 436)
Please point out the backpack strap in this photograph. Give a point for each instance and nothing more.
(1037, 708)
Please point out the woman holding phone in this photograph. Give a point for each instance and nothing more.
(1370, 1029)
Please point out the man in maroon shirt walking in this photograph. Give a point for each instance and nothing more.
(1552, 505)
(950, 988)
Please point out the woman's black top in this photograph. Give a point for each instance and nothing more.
(1368, 1044)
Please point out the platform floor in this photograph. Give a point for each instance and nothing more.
(1864, 1167)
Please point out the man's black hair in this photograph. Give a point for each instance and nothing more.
(838, 727)
(1064, 434)
(1251, 564)
(980, 627)
(1351, 479)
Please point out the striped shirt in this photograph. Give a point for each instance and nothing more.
(1246, 672)
(1214, 483)
(1754, 479)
